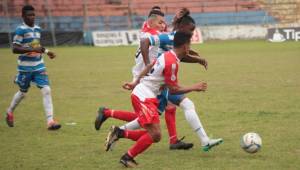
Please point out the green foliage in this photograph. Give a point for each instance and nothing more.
(252, 86)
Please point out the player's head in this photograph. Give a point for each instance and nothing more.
(183, 21)
(156, 20)
(182, 42)
(28, 15)
(154, 8)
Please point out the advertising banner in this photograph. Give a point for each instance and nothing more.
(130, 37)
(283, 34)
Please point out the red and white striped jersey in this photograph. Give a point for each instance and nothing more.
(163, 72)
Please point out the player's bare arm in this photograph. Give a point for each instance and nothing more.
(200, 86)
(131, 85)
(18, 49)
(145, 44)
(194, 57)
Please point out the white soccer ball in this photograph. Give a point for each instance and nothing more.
(251, 142)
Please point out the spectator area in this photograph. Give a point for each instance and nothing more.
(76, 15)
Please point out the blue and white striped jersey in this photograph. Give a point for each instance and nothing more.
(164, 41)
(27, 36)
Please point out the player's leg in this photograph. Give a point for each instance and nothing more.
(170, 117)
(116, 133)
(149, 119)
(143, 138)
(42, 82)
(23, 80)
(193, 119)
(153, 135)
(104, 113)
(132, 125)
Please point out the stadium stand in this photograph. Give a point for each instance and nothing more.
(79, 15)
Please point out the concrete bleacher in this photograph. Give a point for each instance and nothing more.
(285, 11)
(76, 15)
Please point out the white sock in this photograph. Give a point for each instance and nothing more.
(15, 101)
(191, 116)
(131, 125)
(47, 101)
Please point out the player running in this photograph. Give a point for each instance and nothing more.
(144, 98)
(182, 22)
(31, 67)
(153, 26)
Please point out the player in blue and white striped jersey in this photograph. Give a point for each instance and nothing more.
(31, 67)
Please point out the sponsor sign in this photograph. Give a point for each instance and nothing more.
(130, 37)
(283, 34)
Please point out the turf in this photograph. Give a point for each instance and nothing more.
(252, 86)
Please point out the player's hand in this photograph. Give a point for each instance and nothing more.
(51, 54)
(201, 86)
(204, 63)
(129, 86)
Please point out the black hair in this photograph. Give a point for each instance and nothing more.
(181, 38)
(156, 12)
(184, 18)
(27, 8)
(156, 8)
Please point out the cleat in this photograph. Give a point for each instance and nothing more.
(100, 118)
(181, 145)
(112, 137)
(211, 144)
(10, 119)
(128, 161)
(53, 125)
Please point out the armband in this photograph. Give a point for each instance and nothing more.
(46, 51)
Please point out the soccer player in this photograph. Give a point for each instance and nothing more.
(161, 73)
(31, 67)
(182, 22)
(154, 25)
(154, 10)
(185, 23)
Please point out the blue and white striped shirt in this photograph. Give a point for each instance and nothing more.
(27, 36)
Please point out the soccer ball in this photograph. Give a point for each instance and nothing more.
(251, 142)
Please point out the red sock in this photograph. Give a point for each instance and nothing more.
(121, 115)
(134, 134)
(170, 118)
(141, 145)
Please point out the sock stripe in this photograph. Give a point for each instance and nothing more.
(171, 137)
(129, 153)
(112, 113)
(197, 129)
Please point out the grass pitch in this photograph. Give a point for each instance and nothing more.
(252, 86)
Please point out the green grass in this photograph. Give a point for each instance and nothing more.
(252, 86)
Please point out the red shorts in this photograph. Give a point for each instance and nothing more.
(147, 110)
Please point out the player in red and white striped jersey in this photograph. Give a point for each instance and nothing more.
(162, 73)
